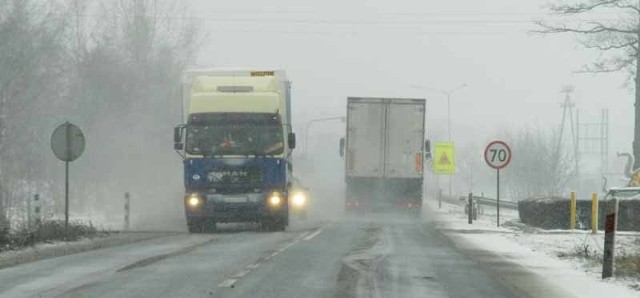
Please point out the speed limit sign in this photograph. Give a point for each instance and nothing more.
(497, 154)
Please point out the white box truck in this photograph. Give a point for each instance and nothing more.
(384, 153)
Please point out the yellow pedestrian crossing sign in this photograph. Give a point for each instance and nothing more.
(445, 158)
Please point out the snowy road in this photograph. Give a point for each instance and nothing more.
(366, 256)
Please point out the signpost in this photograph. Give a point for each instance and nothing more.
(497, 155)
(67, 143)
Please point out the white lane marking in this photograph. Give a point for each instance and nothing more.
(228, 283)
(232, 281)
(241, 274)
(316, 233)
(288, 245)
(302, 235)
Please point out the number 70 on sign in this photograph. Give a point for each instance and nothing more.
(497, 154)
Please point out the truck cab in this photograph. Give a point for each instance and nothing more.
(236, 145)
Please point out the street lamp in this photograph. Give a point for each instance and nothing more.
(448, 94)
(306, 129)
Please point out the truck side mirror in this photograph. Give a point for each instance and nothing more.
(427, 149)
(177, 138)
(291, 139)
(342, 146)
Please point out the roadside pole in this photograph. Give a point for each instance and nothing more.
(127, 204)
(594, 213)
(29, 210)
(36, 209)
(470, 208)
(572, 212)
(610, 227)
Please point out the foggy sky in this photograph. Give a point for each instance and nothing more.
(332, 49)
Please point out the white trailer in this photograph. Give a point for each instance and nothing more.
(384, 152)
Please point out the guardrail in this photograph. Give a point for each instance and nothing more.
(492, 202)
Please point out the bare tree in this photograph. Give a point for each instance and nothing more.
(611, 27)
(32, 61)
(127, 91)
(537, 170)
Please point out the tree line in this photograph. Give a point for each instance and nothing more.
(111, 67)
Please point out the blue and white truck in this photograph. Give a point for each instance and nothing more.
(236, 142)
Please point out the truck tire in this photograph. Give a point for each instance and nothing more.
(265, 224)
(201, 226)
(273, 224)
(209, 226)
(194, 226)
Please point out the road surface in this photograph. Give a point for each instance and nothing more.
(363, 256)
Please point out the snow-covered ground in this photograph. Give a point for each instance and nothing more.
(557, 254)
(42, 251)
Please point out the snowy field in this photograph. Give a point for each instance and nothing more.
(567, 258)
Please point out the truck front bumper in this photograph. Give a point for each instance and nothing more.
(230, 208)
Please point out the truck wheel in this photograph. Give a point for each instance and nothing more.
(194, 226)
(209, 226)
(273, 224)
(265, 224)
(278, 225)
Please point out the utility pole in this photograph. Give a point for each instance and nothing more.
(636, 132)
(567, 110)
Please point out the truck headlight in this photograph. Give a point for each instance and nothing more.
(275, 199)
(194, 200)
(299, 199)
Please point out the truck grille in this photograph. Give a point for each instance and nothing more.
(237, 177)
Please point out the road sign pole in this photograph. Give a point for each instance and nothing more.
(66, 180)
(498, 198)
(66, 198)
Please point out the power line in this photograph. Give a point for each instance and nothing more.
(351, 33)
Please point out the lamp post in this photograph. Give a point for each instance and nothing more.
(308, 125)
(448, 94)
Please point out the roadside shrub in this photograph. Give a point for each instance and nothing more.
(4, 232)
(47, 231)
(628, 266)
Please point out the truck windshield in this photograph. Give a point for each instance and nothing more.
(235, 134)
